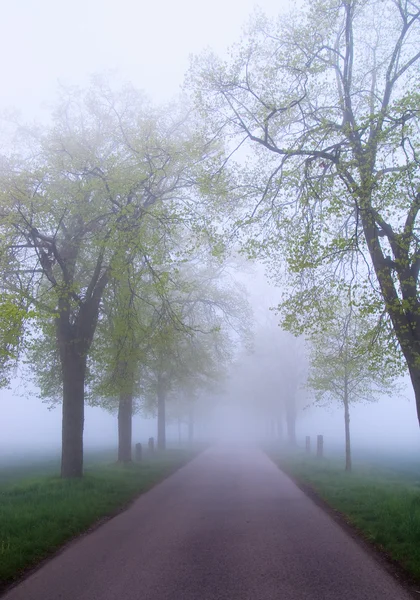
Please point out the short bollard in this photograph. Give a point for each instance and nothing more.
(138, 452)
(308, 444)
(320, 446)
(151, 445)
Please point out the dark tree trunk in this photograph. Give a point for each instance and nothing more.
(73, 341)
(405, 321)
(347, 425)
(415, 380)
(125, 416)
(73, 370)
(161, 417)
(191, 424)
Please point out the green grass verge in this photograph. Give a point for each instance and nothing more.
(40, 513)
(383, 504)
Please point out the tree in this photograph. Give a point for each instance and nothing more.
(117, 356)
(179, 407)
(13, 317)
(76, 199)
(270, 380)
(348, 363)
(328, 97)
(158, 337)
(201, 321)
(208, 356)
(130, 315)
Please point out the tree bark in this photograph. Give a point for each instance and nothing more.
(415, 380)
(161, 416)
(347, 424)
(125, 416)
(405, 320)
(74, 371)
(73, 341)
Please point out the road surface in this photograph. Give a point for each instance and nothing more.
(227, 526)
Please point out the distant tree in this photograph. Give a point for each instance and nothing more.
(270, 380)
(348, 363)
(178, 411)
(201, 321)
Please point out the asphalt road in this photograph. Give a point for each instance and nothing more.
(228, 526)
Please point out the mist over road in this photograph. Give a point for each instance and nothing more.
(228, 526)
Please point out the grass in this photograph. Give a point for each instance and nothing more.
(382, 503)
(40, 512)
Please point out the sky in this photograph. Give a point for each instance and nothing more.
(47, 42)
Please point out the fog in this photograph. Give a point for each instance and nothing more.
(147, 43)
(237, 414)
(45, 43)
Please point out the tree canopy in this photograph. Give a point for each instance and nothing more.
(81, 199)
(327, 97)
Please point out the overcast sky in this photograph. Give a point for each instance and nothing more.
(43, 42)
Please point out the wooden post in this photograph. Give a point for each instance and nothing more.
(308, 444)
(138, 452)
(151, 445)
(320, 446)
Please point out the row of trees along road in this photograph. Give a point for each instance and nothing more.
(91, 207)
(174, 335)
(326, 100)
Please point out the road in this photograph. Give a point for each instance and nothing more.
(227, 526)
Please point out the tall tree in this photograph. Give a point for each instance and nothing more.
(328, 97)
(76, 197)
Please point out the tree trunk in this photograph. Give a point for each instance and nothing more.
(191, 424)
(405, 321)
(73, 370)
(74, 337)
(415, 380)
(125, 416)
(161, 417)
(347, 425)
(291, 421)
